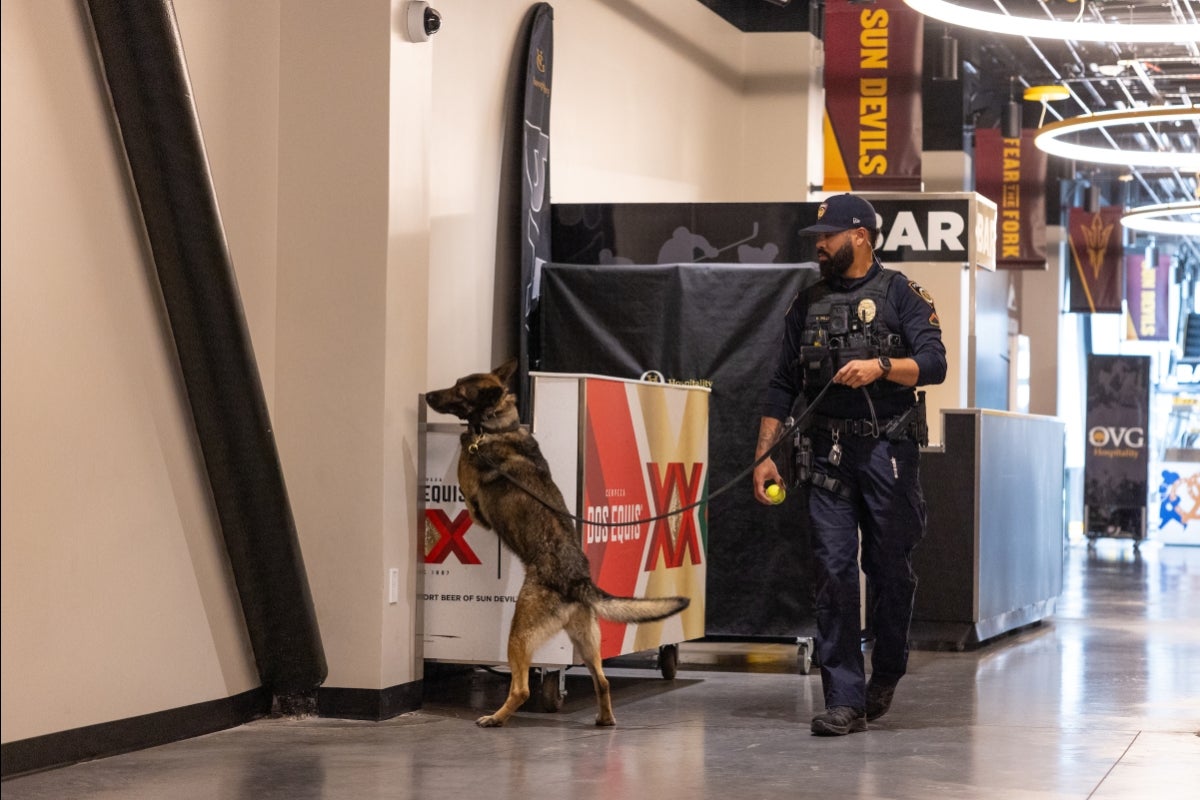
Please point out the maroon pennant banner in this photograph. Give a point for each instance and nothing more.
(1095, 275)
(1146, 298)
(873, 135)
(1012, 174)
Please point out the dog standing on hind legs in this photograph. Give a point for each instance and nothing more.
(507, 485)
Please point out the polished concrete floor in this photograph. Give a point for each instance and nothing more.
(1101, 701)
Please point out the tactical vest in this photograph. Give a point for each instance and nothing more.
(844, 325)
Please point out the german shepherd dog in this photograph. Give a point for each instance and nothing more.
(507, 485)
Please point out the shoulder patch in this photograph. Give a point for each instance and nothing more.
(934, 321)
(921, 293)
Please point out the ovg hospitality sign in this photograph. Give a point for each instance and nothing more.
(1118, 416)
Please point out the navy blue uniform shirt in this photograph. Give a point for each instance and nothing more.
(909, 311)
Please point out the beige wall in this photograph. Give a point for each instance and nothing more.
(117, 597)
(358, 179)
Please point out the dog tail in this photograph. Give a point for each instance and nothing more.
(638, 609)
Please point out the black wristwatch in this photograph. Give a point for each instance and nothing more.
(885, 364)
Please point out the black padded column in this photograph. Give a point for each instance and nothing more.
(141, 58)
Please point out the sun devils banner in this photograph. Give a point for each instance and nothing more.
(1012, 174)
(1146, 298)
(1095, 275)
(873, 134)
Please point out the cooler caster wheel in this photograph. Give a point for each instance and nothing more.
(551, 689)
(668, 660)
(805, 656)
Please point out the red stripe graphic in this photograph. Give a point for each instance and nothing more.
(614, 491)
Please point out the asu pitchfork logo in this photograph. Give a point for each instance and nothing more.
(675, 535)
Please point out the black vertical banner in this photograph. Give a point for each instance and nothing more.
(1116, 461)
(535, 190)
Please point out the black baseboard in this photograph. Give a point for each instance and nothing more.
(369, 704)
(163, 727)
(126, 735)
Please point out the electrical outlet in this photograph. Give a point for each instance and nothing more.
(393, 586)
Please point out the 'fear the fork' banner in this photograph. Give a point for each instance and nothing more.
(1095, 274)
(873, 134)
(1012, 174)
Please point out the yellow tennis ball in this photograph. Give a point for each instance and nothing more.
(775, 493)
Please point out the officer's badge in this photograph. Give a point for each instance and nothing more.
(866, 311)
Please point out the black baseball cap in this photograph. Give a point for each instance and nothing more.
(843, 212)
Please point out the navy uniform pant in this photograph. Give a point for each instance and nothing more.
(888, 507)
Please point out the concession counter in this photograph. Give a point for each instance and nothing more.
(992, 559)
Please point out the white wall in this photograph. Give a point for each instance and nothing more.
(358, 179)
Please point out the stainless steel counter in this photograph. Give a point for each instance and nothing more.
(992, 559)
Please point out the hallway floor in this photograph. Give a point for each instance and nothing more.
(1100, 701)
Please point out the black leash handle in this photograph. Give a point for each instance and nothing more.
(783, 434)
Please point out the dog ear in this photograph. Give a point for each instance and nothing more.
(488, 396)
(505, 371)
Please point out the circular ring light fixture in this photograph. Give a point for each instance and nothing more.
(1169, 219)
(1044, 28)
(1049, 138)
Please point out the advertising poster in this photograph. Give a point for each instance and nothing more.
(646, 455)
(1175, 505)
(1116, 459)
(470, 580)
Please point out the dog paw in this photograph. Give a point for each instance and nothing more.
(490, 721)
(603, 721)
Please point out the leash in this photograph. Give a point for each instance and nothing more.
(473, 449)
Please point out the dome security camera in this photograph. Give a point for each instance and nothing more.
(423, 21)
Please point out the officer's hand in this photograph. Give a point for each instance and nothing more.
(859, 372)
(764, 473)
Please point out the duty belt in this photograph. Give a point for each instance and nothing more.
(853, 427)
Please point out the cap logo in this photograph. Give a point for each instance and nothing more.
(821, 210)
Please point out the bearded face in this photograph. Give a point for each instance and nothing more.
(835, 264)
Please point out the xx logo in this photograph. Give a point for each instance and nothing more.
(675, 482)
(451, 537)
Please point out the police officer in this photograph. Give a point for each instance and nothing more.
(875, 335)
